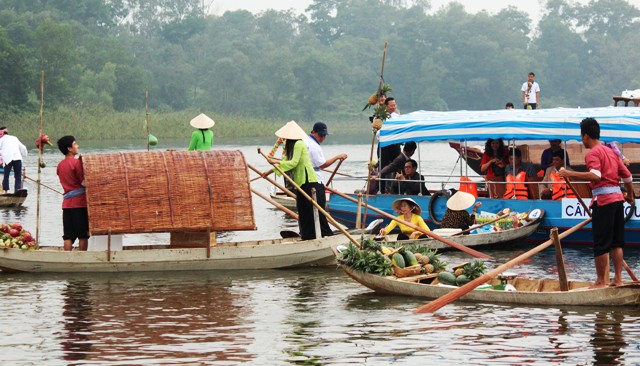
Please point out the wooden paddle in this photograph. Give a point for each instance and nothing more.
(316, 204)
(282, 188)
(42, 184)
(588, 211)
(334, 172)
(276, 204)
(460, 247)
(459, 292)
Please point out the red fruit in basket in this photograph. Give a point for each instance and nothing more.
(14, 233)
(16, 226)
(26, 236)
(4, 228)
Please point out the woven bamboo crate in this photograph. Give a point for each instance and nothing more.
(168, 191)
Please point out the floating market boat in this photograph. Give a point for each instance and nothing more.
(617, 124)
(525, 291)
(155, 196)
(15, 199)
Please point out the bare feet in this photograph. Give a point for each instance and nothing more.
(597, 285)
(614, 284)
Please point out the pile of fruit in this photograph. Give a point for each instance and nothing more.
(14, 236)
(463, 274)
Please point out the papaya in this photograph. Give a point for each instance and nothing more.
(409, 258)
(462, 280)
(447, 278)
(398, 260)
(385, 250)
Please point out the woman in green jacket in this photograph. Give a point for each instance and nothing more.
(202, 138)
(297, 161)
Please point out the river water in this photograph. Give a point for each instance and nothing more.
(305, 316)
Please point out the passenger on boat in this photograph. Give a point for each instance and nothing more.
(75, 217)
(553, 186)
(202, 138)
(409, 182)
(492, 164)
(517, 173)
(407, 210)
(12, 152)
(456, 216)
(530, 92)
(297, 160)
(509, 105)
(318, 135)
(396, 166)
(605, 170)
(547, 154)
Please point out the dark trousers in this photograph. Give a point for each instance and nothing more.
(533, 105)
(16, 165)
(386, 155)
(305, 212)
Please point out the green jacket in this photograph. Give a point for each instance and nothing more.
(201, 140)
(299, 163)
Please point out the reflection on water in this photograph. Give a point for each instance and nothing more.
(308, 316)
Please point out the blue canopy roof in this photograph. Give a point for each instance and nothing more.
(616, 124)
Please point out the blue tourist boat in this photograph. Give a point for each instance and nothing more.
(617, 124)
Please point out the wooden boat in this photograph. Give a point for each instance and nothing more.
(500, 239)
(15, 199)
(282, 198)
(528, 291)
(262, 254)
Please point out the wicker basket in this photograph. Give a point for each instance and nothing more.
(407, 271)
(168, 191)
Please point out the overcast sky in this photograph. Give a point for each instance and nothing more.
(493, 6)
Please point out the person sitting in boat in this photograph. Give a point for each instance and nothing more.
(517, 173)
(396, 165)
(409, 211)
(492, 164)
(548, 154)
(554, 187)
(456, 216)
(409, 182)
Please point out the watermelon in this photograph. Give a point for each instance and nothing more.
(462, 280)
(398, 260)
(409, 258)
(447, 278)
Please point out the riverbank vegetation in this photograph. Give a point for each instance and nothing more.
(255, 71)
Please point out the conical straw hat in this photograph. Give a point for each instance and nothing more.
(291, 131)
(202, 121)
(460, 201)
(396, 205)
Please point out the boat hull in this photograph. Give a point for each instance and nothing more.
(561, 214)
(13, 199)
(578, 295)
(267, 254)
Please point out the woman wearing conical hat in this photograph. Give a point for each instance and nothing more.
(297, 161)
(407, 210)
(456, 216)
(202, 138)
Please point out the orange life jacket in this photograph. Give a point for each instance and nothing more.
(520, 188)
(469, 186)
(560, 188)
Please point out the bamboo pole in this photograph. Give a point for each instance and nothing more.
(316, 204)
(562, 271)
(460, 247)
(281, 187)
(42, 184)
(39, 157)
(334, 172)
(276, 204)
(146, 98)
(452, 296)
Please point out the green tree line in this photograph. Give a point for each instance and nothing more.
(100, 55)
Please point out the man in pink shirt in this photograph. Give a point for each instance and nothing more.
(605, 169)
(75, 218)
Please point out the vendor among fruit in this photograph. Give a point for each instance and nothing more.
(408, 210)
(456, 216)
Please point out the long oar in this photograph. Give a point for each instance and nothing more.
(42, 184)
(460, 247)
(459, 292)
(316, 204)
(282, 188)
(276, 204)
(334, 172)
(588, 211)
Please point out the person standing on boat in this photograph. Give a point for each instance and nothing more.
(296, 159)
(318, 135)
(387, 154)
(409, 211)
(12, 151)
(456, 216)
(493, 162)
(75, 217)
(605, 170)
(531, 92)
(202, 138)
(548, 154)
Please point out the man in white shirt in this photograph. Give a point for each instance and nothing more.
(313, 141)
(531, 93)
(13, 151)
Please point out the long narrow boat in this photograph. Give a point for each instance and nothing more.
(527, 291)
(617, 124)
(15, 199)
(498, 239)
(263, 254)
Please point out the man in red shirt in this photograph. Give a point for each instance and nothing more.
(75, 218)
(604, 171)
